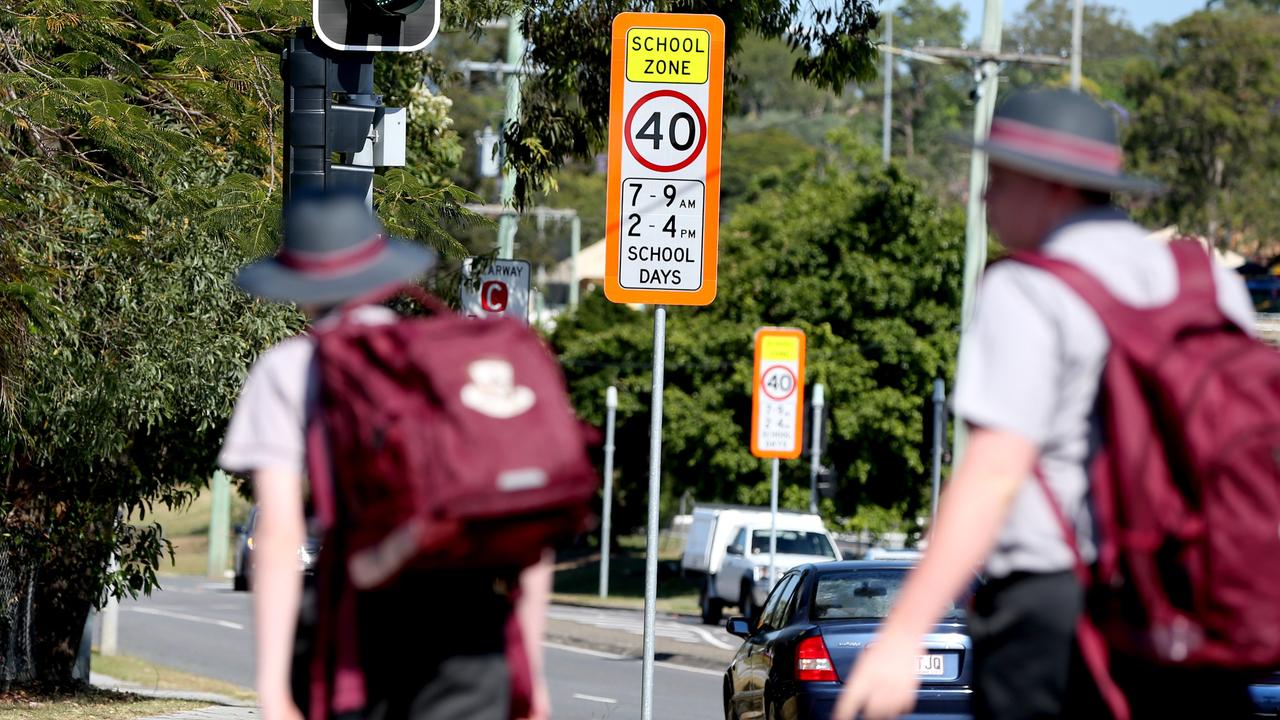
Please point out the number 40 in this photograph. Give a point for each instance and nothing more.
(652, 130)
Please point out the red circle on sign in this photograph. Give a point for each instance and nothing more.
(765, 388)
(702, 131)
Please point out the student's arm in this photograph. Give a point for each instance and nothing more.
(277, 586)
(973, 509)
(531, 608)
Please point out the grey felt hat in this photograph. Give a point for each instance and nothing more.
(1060, 135)
(334, 250)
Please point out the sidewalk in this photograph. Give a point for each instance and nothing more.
(220, 707)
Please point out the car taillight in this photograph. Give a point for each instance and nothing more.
(813, 662)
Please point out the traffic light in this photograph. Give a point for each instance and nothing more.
(827, 482)
(807, 448)
(329, 108)
(376, 25)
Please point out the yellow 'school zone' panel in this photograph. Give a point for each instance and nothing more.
(780, 348)
(668, 55)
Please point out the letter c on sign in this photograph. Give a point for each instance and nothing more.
(493, 296)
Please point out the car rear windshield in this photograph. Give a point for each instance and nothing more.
(794, 542)
(863, 595)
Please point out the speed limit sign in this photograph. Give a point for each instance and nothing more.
(664, 158)
(777, 402)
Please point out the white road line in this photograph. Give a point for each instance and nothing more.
(184, 616)
(593, 698)
(613, 656)
(714, 640)
(679, 632)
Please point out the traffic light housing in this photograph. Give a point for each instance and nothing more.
(827, 482)
(807, 448)
(376, 25)
(316, 125)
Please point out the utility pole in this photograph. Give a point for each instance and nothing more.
(975, 236)
(507, 223)
(885, 141)
(1077, 30)
(219, 524)
(575, 246)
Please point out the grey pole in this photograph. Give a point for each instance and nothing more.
(939, 405)
(773, 525)
(655, 486)
(1077, 29)
(575, 245)
(507, 223)
(815, 448)
(109, 644)
(888, 85)
(975, 236)
(219, 524)
(611, 409)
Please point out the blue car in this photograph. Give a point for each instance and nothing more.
(810, 631)
(1266, 696)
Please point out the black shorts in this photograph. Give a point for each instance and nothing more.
(432, 647)
(1027, 663)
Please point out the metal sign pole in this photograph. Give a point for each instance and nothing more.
(655, 483)
(815, 448)
(939, 407)
(611, 409)
(773, 525)
(975, 236)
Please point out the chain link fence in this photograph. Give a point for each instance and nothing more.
(17, 589)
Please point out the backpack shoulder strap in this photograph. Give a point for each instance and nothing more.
(1197, 288)
(1195, 270)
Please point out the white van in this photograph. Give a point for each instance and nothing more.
(727, 554)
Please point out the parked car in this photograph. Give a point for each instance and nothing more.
(727, 554)
(307, 553)
(813, 626)
(1266, 696)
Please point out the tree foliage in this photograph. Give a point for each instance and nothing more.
(1207, 123)
(1108, 43)
(139, 166)
(565, 107)
(857, 255)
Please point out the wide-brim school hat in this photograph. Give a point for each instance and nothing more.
(334, 250)
(1060, 135)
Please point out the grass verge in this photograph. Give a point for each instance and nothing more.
(158, 677)
(87, 704)
(577, 578)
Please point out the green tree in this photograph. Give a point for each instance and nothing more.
(1205, 122)
(1108, 43)
(139, 165)
(929, 100)
(857, 255)
(565, 107)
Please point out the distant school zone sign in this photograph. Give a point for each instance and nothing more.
(663, 193)
(777, 398)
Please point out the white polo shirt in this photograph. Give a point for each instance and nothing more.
(1031, 364)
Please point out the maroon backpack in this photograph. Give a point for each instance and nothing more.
(1186, 488)
(439, 442)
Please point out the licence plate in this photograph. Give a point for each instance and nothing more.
(929, 665)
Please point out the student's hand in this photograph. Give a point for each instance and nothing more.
(883, 683)
(279, 706)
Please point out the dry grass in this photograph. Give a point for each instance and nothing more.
(87, 704)
(158, 677)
